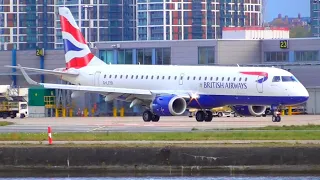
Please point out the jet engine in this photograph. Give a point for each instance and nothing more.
(168, 105)
(249, 110)
(76, 94)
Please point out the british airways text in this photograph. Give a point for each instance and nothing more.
(225, 85)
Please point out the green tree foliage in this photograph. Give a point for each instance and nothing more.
(300, 32)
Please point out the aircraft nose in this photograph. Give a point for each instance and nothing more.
(304, 94)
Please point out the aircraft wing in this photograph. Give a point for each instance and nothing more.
(100, 89)
(45, 71)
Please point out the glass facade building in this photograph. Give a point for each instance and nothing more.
(26, 24)
(194, 19)
(137, 56)
(105, 20)
(315, 17)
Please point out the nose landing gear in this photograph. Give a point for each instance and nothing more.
(276, 113)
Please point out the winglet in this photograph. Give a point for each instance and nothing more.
(25, 75)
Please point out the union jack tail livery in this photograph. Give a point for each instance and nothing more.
(77, 52)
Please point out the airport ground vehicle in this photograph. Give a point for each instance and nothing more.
(216, 112)
(13, 109)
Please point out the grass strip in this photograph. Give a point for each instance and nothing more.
(5, 123)
(309, 127)
(165, 136)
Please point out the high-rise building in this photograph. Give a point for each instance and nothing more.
(26, 24)
(315, 17)
(110, 20)
(194, 19)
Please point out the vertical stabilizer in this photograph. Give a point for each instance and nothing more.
(77, 52)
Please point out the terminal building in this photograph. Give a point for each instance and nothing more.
(300, 56)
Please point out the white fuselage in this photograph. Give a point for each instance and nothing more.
(203, 80)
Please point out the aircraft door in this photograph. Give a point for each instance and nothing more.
(260, 84)
(97, 78)
(181, 79)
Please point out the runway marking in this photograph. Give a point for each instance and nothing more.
(101, 127)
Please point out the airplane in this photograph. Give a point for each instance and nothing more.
(170, 90)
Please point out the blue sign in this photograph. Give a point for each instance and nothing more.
(225, 85)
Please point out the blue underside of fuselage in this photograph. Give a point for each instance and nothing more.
(212, 101)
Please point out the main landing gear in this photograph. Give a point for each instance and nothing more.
(148, 116)
(276, 114)
(204, 116)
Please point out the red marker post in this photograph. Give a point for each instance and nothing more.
(49, 135)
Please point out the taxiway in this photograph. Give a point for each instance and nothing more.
(135, 124)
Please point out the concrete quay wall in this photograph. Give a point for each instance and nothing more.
(165, 159)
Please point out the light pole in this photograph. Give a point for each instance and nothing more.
(86, 10)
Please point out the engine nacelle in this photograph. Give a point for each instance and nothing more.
(168, 105)
(76, 94)
(250, 110)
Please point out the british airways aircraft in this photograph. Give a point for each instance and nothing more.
(170, 90)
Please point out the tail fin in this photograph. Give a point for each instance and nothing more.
(77, 52)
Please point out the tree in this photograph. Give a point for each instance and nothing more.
(300, 32)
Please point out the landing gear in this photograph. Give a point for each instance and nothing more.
(148, 116)
(204, 116)
(276, 114)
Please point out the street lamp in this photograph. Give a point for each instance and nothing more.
(86, 7)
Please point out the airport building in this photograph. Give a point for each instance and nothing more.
(300, 56)
(315, 17)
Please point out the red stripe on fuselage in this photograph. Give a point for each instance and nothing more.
(256, 73)
(80, 62)
(67, 27)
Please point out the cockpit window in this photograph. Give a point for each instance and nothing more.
(276, 79)
(288, 79)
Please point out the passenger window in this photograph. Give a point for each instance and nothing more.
(194, 78)
(211, 78)
(120, 76)
(239, 79)
(217, 78)
(105, 76)
(228, 78)
(151, 77)
(141, 76)
(162, 77)
(246, 79)
(132, 77)
(234, 79)
(188, 77)
(136, 76)
(222, 78)
(276, 79)
(200, 78)
(205, 78)
(169, 77)
(157, 77)
(115, 76)
(181, 77)
(110, 76)
(126, 76)
(175, 78)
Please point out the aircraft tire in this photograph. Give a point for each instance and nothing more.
(155, 118)
(208, 117)
(147, 116)
(200, 116)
